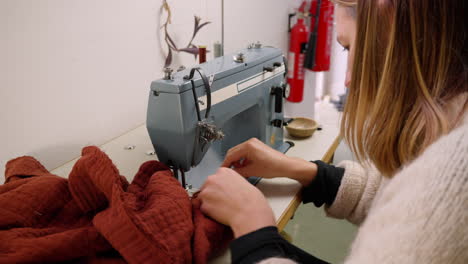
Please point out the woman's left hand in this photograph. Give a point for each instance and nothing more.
(230, 199)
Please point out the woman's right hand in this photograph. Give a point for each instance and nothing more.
(254, 158)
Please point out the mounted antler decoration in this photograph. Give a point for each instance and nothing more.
(171, 46)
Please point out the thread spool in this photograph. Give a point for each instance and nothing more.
(217, 49)
(202, 54)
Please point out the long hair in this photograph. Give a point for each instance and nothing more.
(411, 60)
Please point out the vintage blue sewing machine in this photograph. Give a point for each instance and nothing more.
(196, 115)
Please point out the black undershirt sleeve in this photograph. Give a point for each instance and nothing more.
(323, 189)
(267, 243)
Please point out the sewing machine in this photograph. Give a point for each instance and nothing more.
(196, 115)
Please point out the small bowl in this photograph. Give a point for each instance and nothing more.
(302, 127)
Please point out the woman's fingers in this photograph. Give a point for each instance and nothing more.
(244, 171)
(205, 206)
(234, 155)
(241, 151)
(238, 164)
(231, 200)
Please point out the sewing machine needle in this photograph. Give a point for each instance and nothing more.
(182, 174)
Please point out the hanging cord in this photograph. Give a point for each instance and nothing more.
(195, 98)
(207, 91)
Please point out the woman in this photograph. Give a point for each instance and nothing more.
(405, 120)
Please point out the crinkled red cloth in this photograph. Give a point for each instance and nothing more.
(96, 216)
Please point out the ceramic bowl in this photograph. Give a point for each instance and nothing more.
(301, 127)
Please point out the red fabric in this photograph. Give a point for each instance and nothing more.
(96, 216)
(208, 233)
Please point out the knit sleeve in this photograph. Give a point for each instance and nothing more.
(421, 216)
(356, 192)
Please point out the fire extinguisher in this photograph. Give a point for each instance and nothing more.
(320, 40)
(296, 57)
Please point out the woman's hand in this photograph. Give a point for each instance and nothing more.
(254, 158)
(230, 199)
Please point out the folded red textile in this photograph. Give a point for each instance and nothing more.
(96, 216)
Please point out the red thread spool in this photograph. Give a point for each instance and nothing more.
(202, 54)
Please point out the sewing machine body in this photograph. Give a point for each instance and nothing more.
(242, 107)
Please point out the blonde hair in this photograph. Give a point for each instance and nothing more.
(410, 61)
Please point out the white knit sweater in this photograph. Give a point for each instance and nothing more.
(418, 216)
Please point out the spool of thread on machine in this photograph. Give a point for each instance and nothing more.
(217, 49)
(202, 54)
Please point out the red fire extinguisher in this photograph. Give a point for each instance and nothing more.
(296, 57)
(320, 41)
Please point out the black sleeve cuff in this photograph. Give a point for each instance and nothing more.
(267, 243)
(324, 187)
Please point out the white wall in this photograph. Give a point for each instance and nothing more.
(77, 72)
